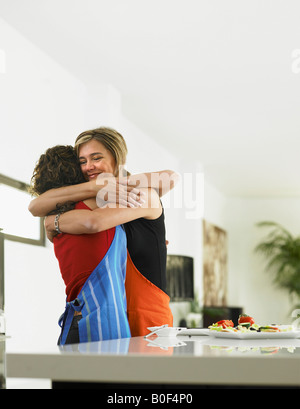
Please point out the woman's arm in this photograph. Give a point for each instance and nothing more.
(86, 221)
(46, 202)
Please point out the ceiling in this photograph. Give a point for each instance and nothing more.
(212, 80)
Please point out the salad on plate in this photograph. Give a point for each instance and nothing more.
(246, 324)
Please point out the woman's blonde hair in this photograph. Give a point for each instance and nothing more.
(112, 140)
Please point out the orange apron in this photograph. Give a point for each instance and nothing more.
(147, 305)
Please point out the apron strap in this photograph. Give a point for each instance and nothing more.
(66, 318)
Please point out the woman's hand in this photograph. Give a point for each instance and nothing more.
(115, 191)
(49, 227)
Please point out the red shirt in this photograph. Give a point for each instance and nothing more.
(79, 254)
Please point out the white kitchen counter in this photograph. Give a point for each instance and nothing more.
(189, 361)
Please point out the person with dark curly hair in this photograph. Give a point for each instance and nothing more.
(57, 167)
(93, 266)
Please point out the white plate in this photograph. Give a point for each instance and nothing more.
(256, 335)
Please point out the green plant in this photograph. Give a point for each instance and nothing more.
(283, 253)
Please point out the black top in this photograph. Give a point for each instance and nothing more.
(146, 243)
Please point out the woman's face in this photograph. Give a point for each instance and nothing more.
(94, 159)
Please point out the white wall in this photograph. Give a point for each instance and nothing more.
(40, 104)
(250, 285)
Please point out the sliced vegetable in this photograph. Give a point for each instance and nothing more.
(225, 323)
(268, 328)
(245, 324)
(244, 318)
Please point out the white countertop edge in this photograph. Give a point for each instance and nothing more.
(283, 371)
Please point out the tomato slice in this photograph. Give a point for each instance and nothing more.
(225, 323)
(245, 318)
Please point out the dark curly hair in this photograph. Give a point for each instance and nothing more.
(57, 167)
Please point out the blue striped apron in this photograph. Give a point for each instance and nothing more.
(102, 299)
